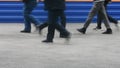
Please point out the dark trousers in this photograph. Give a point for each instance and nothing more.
(53, 16)
(99, 17)
(62, 17)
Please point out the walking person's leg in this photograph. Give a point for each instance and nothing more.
(63, 18)
(52, 19)
(42, 26)
(63, 21)
(106, 21)
(28, 18)
(99, 21)
(110, 18)
(27, 22)
(113, 20)
(32, 19)
(92, 13)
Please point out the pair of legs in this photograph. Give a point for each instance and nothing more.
(62, 22)
(98, 6)
(99, 17)
(53, 16)
(28, 18)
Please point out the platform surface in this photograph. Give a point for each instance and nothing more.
(92, 50)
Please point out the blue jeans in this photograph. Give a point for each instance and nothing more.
(28, 18)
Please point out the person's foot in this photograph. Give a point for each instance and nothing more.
(117, 25)
(47, 41)
(24, 31)
(97, 28)
(108, 31)
(67, 37)
(62, 36)
(82, 30)
(39, 27)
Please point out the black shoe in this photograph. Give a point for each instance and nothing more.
(108, 31)
(47, 41)
(97, 28)
(42, 26)
(82, 30)
(38, 27)
(62, 36)
(23, 31)
(67, 37)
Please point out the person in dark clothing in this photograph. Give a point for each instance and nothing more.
(29, 6)
(98, 6)
(62, 22)
(55, 9)
(99, 18)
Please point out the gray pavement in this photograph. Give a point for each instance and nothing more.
(92, 50)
